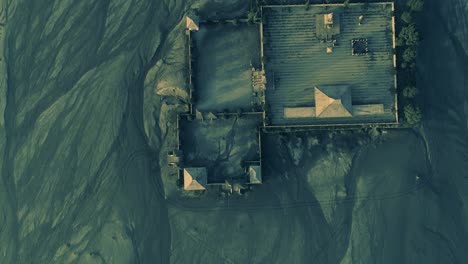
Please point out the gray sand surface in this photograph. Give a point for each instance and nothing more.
(86, 119)
(219, 85)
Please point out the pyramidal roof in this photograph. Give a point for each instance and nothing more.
(195, 179)
(333, 101)
(191, 22)
(255, 174)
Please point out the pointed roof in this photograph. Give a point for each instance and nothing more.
(255, 174)
(333, 101)
(198, 115)
(195, 179)
(191, 23)
(328, 19)
(211, 116)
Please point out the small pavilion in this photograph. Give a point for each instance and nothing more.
(195, 179)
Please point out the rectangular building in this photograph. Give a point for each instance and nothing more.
(329, 64)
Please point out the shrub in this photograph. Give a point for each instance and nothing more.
(413, 115)
(415, 5)
(408, 36)
(410, 91)
(406, 17)
(409, 54)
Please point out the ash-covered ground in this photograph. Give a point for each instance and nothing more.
(88, 92)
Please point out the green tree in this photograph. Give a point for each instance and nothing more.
(346, 3)
(409, 54)
(307, 5)
(408, 36)
(410, 91)
(251, 16)
(413, 115)
(405, 65)
(406, 17)
(415, 5)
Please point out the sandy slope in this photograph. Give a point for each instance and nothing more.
(390, 202)
(76, 181)
(442, 75)
(7, 203)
